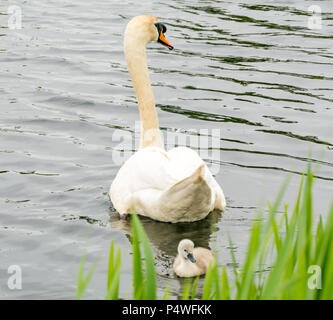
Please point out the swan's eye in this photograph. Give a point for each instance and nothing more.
(160, 27)
(185, 250)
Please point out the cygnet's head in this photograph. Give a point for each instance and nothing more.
(185, 250)
(144, 29)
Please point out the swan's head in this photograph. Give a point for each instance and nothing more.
(185, 250)
(145, 29)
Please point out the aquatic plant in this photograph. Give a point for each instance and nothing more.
(288, 257)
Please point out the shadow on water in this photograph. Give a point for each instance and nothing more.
(205, 115)
(164, 237)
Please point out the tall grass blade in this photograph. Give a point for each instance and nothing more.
(150, 279)
(82, 282)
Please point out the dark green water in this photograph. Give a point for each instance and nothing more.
(253, 71)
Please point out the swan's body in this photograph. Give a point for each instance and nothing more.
(190, 261)
(173, 186)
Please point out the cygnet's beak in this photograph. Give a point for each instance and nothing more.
(191, 258)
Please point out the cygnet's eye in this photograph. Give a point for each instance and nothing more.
(185, 250)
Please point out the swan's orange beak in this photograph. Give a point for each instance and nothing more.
(161, 28)
(162, 39)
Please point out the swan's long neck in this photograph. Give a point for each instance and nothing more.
(136, 57)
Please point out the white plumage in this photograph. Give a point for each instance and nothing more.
(173, 186)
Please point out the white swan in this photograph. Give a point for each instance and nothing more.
(173, 186)
(190, 261)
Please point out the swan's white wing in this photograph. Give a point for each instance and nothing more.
(185, 161)
(146, 170)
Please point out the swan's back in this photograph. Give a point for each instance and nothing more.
(169, 186)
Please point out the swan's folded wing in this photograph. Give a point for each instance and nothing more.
(185, 162)
(189, 199)
(147, 169)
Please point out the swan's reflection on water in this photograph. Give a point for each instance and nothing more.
(164, 238)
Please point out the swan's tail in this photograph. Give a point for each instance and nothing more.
(189, 199)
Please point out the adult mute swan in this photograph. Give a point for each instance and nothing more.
(173, 186)
(190, 261)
